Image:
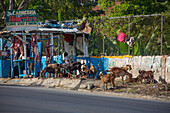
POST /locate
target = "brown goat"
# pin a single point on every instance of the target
(147, 75)
(87, 71)
(120, 72)
(127, 67)
(108, 78)
(136, 80)
(55, 66)
(48, 70)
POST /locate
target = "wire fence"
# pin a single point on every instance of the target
(144, 35)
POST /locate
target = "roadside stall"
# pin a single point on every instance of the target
(26, 35)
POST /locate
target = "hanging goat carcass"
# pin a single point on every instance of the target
(47, 50)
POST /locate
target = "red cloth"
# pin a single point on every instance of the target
(121, 37)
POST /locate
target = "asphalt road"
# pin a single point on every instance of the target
(16, 99)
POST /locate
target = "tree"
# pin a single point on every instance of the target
(147, 38)
(13, 4)
(49, 9)
(69, 9)
(138, 7)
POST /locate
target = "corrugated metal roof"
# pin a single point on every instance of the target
(57, 30)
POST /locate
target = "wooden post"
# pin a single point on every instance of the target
(129, 33)
(58, 50)
(74, 48)
(1, 68)
(1, 44)
(12, 63)
(52, 48)
(25, 53)
(103, 39)
(1, 57)
(61, 45)
(85, 51)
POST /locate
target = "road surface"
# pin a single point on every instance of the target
(18, 99)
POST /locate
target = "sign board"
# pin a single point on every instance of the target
(21, 20)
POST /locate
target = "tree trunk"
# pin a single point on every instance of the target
(12, 4)
(23, 4)
(4, 8)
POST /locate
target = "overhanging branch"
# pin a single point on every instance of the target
(23, 4)
(2, 4)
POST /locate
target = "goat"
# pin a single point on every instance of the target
(120, 72)
(53, 65)
(132, 80)
(49, 70)
(147, 75)
(86, 71)
(127, 67)
(71, 67)
(135, 80)
(107, 79)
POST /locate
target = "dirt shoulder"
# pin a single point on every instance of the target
(130, 90)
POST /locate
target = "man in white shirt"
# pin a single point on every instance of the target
(66, 58)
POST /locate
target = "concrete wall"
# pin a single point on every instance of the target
(137, 62)
(145, 63)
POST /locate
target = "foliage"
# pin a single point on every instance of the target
(105, 3)
(147, 30)
(69, 9)
(11, 5)
(138, 7)
(49, 9)
(147, 41)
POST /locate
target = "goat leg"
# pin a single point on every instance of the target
(112, 81)
(123, 80)
(103, 84)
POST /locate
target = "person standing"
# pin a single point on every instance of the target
(66, 58)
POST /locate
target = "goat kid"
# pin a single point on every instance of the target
(108, 78)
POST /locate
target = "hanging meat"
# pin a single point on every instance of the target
(47, 49)
(32, 44)
(36, 50)
(20, 47)
(14, 47)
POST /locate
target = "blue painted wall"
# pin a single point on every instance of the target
(101, 61)
(5, 69)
